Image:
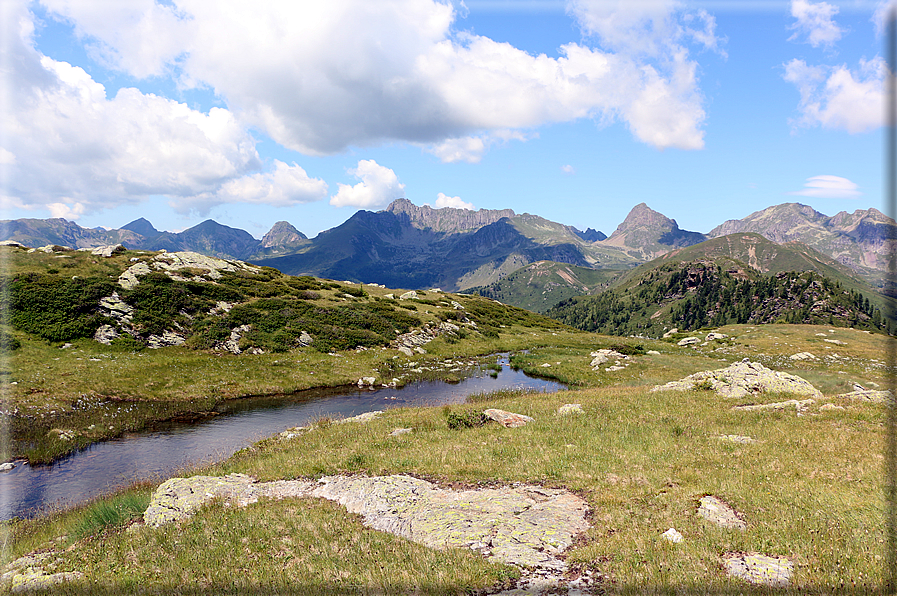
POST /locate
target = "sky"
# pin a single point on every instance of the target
(575, 110)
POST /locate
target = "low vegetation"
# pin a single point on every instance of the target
(809, 486)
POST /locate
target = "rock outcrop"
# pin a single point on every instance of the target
(743, 379)
(507, 419)
(525, 526)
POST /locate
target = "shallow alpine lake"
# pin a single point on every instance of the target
(168, 448)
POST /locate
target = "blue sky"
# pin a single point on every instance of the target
(251, 113)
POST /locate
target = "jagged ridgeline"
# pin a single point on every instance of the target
(711, 293)
(136, 299)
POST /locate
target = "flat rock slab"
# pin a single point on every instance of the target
(798, 404)
(34, 572)
(870, 395)
(743, 379)
(720, 513)
(759, 569)
(507, 419)
(522, 525)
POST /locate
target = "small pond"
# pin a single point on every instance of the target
(167, 448)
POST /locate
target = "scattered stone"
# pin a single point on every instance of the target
(759, 569)
(366, 417)
(6, 467)
(599, 357)
(406, 351)
(168, 338)
(296, 431)
(799, 405)
(390, 296)
(232, 344)
(570, 409)
(688, 341)
(32, 572)
(304, 339)
(715, 335)
(107, 251)
(220, 307)
(720, 513)
(653, 353)
(743, 379)
(736, 439)
(366, 381)
(546, 365)
(12, 243)
(614, 368)
(507, 419)
(412, 295)
(457, 305)
(821, 335)
(671, 332)
(399, 431)
(63, 435)
(673, 536)
(830, 407)
(870, 395)
(803, 356)
(837, 342)
(66, 346)
(105, 334)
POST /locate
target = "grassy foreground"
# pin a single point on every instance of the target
(810, 487)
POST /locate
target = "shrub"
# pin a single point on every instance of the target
(8, 343)
(107, 514)
(628, 350)
(468, 419)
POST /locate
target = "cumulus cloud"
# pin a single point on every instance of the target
(65, 137)
(837, 97)
(829, 187)
(568, 169)
(71, 211)
(379, 185)
(455, 202)
(320, 77)
(815, 23)
(471, 149)
(880, 16)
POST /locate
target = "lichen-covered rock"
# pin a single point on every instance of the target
(507, 419)
(525, 526)
(171, 262)
(798, 404)
(870, 395)
(177, 498)
(105, 334)
(714, 335)
(362, 418)
(34, 572)
(599, 357)
(399, 432)
(759, 569)
(720, 513)
(168, 338)
(802, 356)
(743, 379)
(107, 251)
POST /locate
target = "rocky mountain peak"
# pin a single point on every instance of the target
(143, 227)
(282, 234)
(649, 234)
(447, 220)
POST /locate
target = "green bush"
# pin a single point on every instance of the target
(627, 350)
(468, 419)
(8, 343)
(56, 308)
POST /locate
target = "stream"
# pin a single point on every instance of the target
(168, 448)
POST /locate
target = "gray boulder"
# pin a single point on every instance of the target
(743, 379)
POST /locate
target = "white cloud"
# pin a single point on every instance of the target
(815, 22)
(471, 149)
(71, 211)
(379, 185)
(64, 137)
(285, 186)
(568, 169)
(829, 187)
(838, 97)
(455, 202)
(320, 77)
(880, 16)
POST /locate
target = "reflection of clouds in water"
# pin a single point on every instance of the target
(160, 454)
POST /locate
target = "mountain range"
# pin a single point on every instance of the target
(410, 246)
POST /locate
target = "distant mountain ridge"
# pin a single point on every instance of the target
(410, 246)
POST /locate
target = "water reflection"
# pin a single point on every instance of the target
(161, 452)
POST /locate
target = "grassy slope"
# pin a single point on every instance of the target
(539, 286)
(810, 487)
